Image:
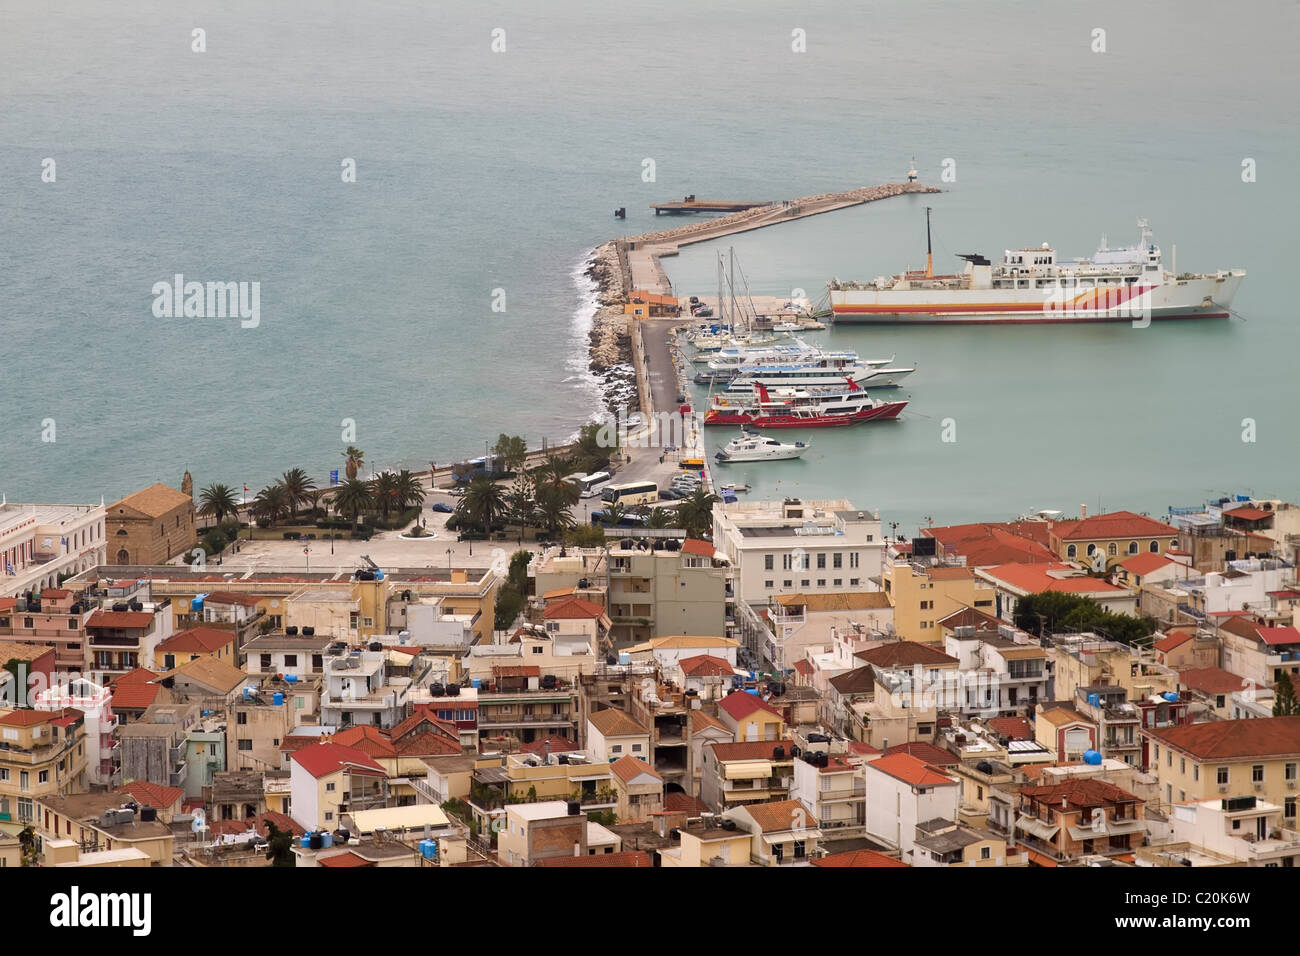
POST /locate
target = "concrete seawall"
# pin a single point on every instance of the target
(621, 265)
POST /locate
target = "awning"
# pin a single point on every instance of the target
(1037, 827)
(1112, 828)
(748, 770)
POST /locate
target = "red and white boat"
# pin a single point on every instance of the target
(801, 407)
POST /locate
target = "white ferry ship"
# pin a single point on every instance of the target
(1033, 285)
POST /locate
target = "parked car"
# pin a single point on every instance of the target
(669, 494)
(443, 507)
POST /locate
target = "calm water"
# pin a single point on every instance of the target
(480, 171)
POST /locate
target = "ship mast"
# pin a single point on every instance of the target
(929, 250)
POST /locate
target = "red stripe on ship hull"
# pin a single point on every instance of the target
(886, 412)
(865, 319)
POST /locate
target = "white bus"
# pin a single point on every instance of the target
(589, 486)
(632, 493)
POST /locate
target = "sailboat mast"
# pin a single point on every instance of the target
(929, 249)
(731, 284)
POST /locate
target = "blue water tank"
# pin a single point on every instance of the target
(291, 678)
(624, 659)
(326, 840)
(752, 690)
(196, 603)
(1170, 696)
(476, 683)
(1091, 757)
(278, 699)
(248, 693)
(306, 841)
(379, 575)
(1094, 700)
(429, 849)
(752, 675)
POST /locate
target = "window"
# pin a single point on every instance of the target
(1169, 758)
(837, 560)
(767, 562)
(1182, 765)
(853, 559)
(986, 852)
(853, 582)
(537, 648)
(636, 748)
(769, 583)
(821, 582)
(1112, 549)
(804, 582)
(1092, 549)
(291, 660)
(329, 815)
(1222, 775)
(43, 776)
(839, 582)
(1154, 547)
(1288, 808)
(787, 583)
(786, 562)
(329, 787)
(266, 661)
(1132, 547)
(241, 718)
(1290, 772)
(4, 775)
(616, 749)
(821, 560)
(1196, 771)
(1257, 773)
(245, 744)
(1071, 551)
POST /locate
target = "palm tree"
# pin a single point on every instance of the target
(484, 502)
(613, 514)
(384, 491)
(589, 449)
(353, 497)
(660, 518)
(696, 512)
(217, 501)
(299, 487)
(407, 491)
(316, 496)
(553, 471)
(553, 509)
(355, 459)
(271, 502)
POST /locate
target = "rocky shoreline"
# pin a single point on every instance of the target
(610, 339)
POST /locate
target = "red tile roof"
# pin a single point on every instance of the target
(803, 668)
(1034, 579)
(427, 745)
(125, 619)
(368, 740)
(1145, 563)
(677, 802)
(911, 771)
(613, 722)
(702, 665)
(740, 705)
(636, 858)
(858, 858)
(698, 547)
(1116, 524)
(1233, 739)
(1173, 641)
(134, 695)
(780, 815)
(231, 597)
(139, 675)
(1211, 680)
(1082, 794)
(572, 608)
(197, 640)
(153, 794)
(629, 768)
(25, 718)
(924, 751)
(753, 750)
(1248, 513)
(344, 860)
(323, 759)
(904, 654)
(1013, 728)
(57, 594)
(259, 823)
(1273, 636)
(990, 543)
(559, 745)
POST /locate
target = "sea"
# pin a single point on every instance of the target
(438, 300)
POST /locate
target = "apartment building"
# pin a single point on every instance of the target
(56, 617)
(45, 543)
(741, 773)
(833, 789)
(1061, 822)
(923, 594)
(42, 753)
(664, 586)
(903, 792)
(1110, 537)
(123, 637)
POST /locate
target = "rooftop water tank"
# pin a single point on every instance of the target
(1092, 757)
(277, 699)
(291, 678)
(428, 849)
(1094, 700)
(306, 841)
(624, 659)
(752, 690)
(1170, 696)
(326, 840)
(476, 683)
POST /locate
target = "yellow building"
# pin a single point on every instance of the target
(703, 843)
(1113, 537)
(190, 645)
(1259, 758)
(150, 526)
(44, 753)
(84, 820)
(639, 789)
(924, 596)
(750, 718)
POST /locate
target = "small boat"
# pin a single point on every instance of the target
(752, 447)
(801, 407)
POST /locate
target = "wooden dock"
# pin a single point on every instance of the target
(691, 204)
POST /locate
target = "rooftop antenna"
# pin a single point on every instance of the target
(929, 249)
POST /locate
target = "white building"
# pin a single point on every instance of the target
(359, 692)
(1243, 829)
(793, 546)
(902, 792)
(432, 625)
(103, 763)
(836, 794)
(40, 543)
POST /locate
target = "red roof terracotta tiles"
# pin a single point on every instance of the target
(911, 771)
(1233, 739)
(1211, 680)
(323, 759)
(740, 705)
(858, 858)
(702, 665)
